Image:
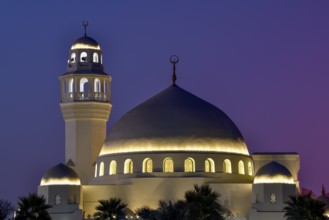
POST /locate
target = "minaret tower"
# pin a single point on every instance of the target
(85, 105)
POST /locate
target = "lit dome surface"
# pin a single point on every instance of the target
(175, 120)
(60, 175)
(85, 43)
(273, 172)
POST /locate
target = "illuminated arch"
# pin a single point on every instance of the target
(71, 82)
(168, 165)
(241, 167)
(113, 167)
(73, 56)
(83, 57)
(101, 169)
(189, 165)
(227, 167)
(147, 165)
(209, 165)
(96, 170)
(249, 169)
(97, 85)
(95, 57)
(129, 167)
(84, 85)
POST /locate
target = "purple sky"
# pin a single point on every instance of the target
(264, 64)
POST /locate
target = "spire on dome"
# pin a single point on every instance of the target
(174, 59)
(85, 25)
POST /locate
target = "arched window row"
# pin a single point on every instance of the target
(168, 166)
(85, 88)
(84, 85)
(83, 57)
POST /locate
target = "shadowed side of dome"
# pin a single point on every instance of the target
(273, 172)
(175, 120)
(60, 175)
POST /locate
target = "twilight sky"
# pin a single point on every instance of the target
(264, 63)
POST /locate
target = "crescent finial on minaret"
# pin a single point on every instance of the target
(174, 59)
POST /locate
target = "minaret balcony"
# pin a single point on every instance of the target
(86, 97)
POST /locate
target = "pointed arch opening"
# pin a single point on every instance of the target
(241, 167)
(129, 167)
(101, 169)
(113, 167)
(147, 165)
(227, 166)
(189, 165)
(209, 165)
(168, 165)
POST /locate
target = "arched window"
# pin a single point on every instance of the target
(147, 165)
(189, 165)
(273, 198)
(84, 85)
(101, 169)
(71, 82)
(96, 170)
(101, 59)
(73, 56)
(209, 165)
(113, 167)
(83, 57)
(241, 167)
(168, 165)
(227, 167)
(95, 58)
(97, 85)
(128, 166)
(249, 169)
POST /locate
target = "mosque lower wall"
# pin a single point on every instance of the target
(139, 193)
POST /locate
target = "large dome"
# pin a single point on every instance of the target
(175, 120)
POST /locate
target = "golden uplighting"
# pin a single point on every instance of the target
(175, 144)
(60, 181)
(274, 179)
(85, 46)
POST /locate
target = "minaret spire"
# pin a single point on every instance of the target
(85, 24)
(174, 59)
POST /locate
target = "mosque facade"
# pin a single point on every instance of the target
(156, 151)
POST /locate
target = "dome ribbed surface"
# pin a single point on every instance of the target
(175, 120)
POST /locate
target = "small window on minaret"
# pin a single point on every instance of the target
(83, 57)
(73, 56)
(95, 58)
(273, 198)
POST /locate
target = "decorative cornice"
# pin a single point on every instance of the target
(85, 110)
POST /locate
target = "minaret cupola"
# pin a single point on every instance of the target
(85, 55)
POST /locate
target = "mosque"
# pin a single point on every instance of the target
(157, 150)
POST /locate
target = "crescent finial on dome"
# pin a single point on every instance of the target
(174, 59)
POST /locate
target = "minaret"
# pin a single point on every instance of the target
(85, 105)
